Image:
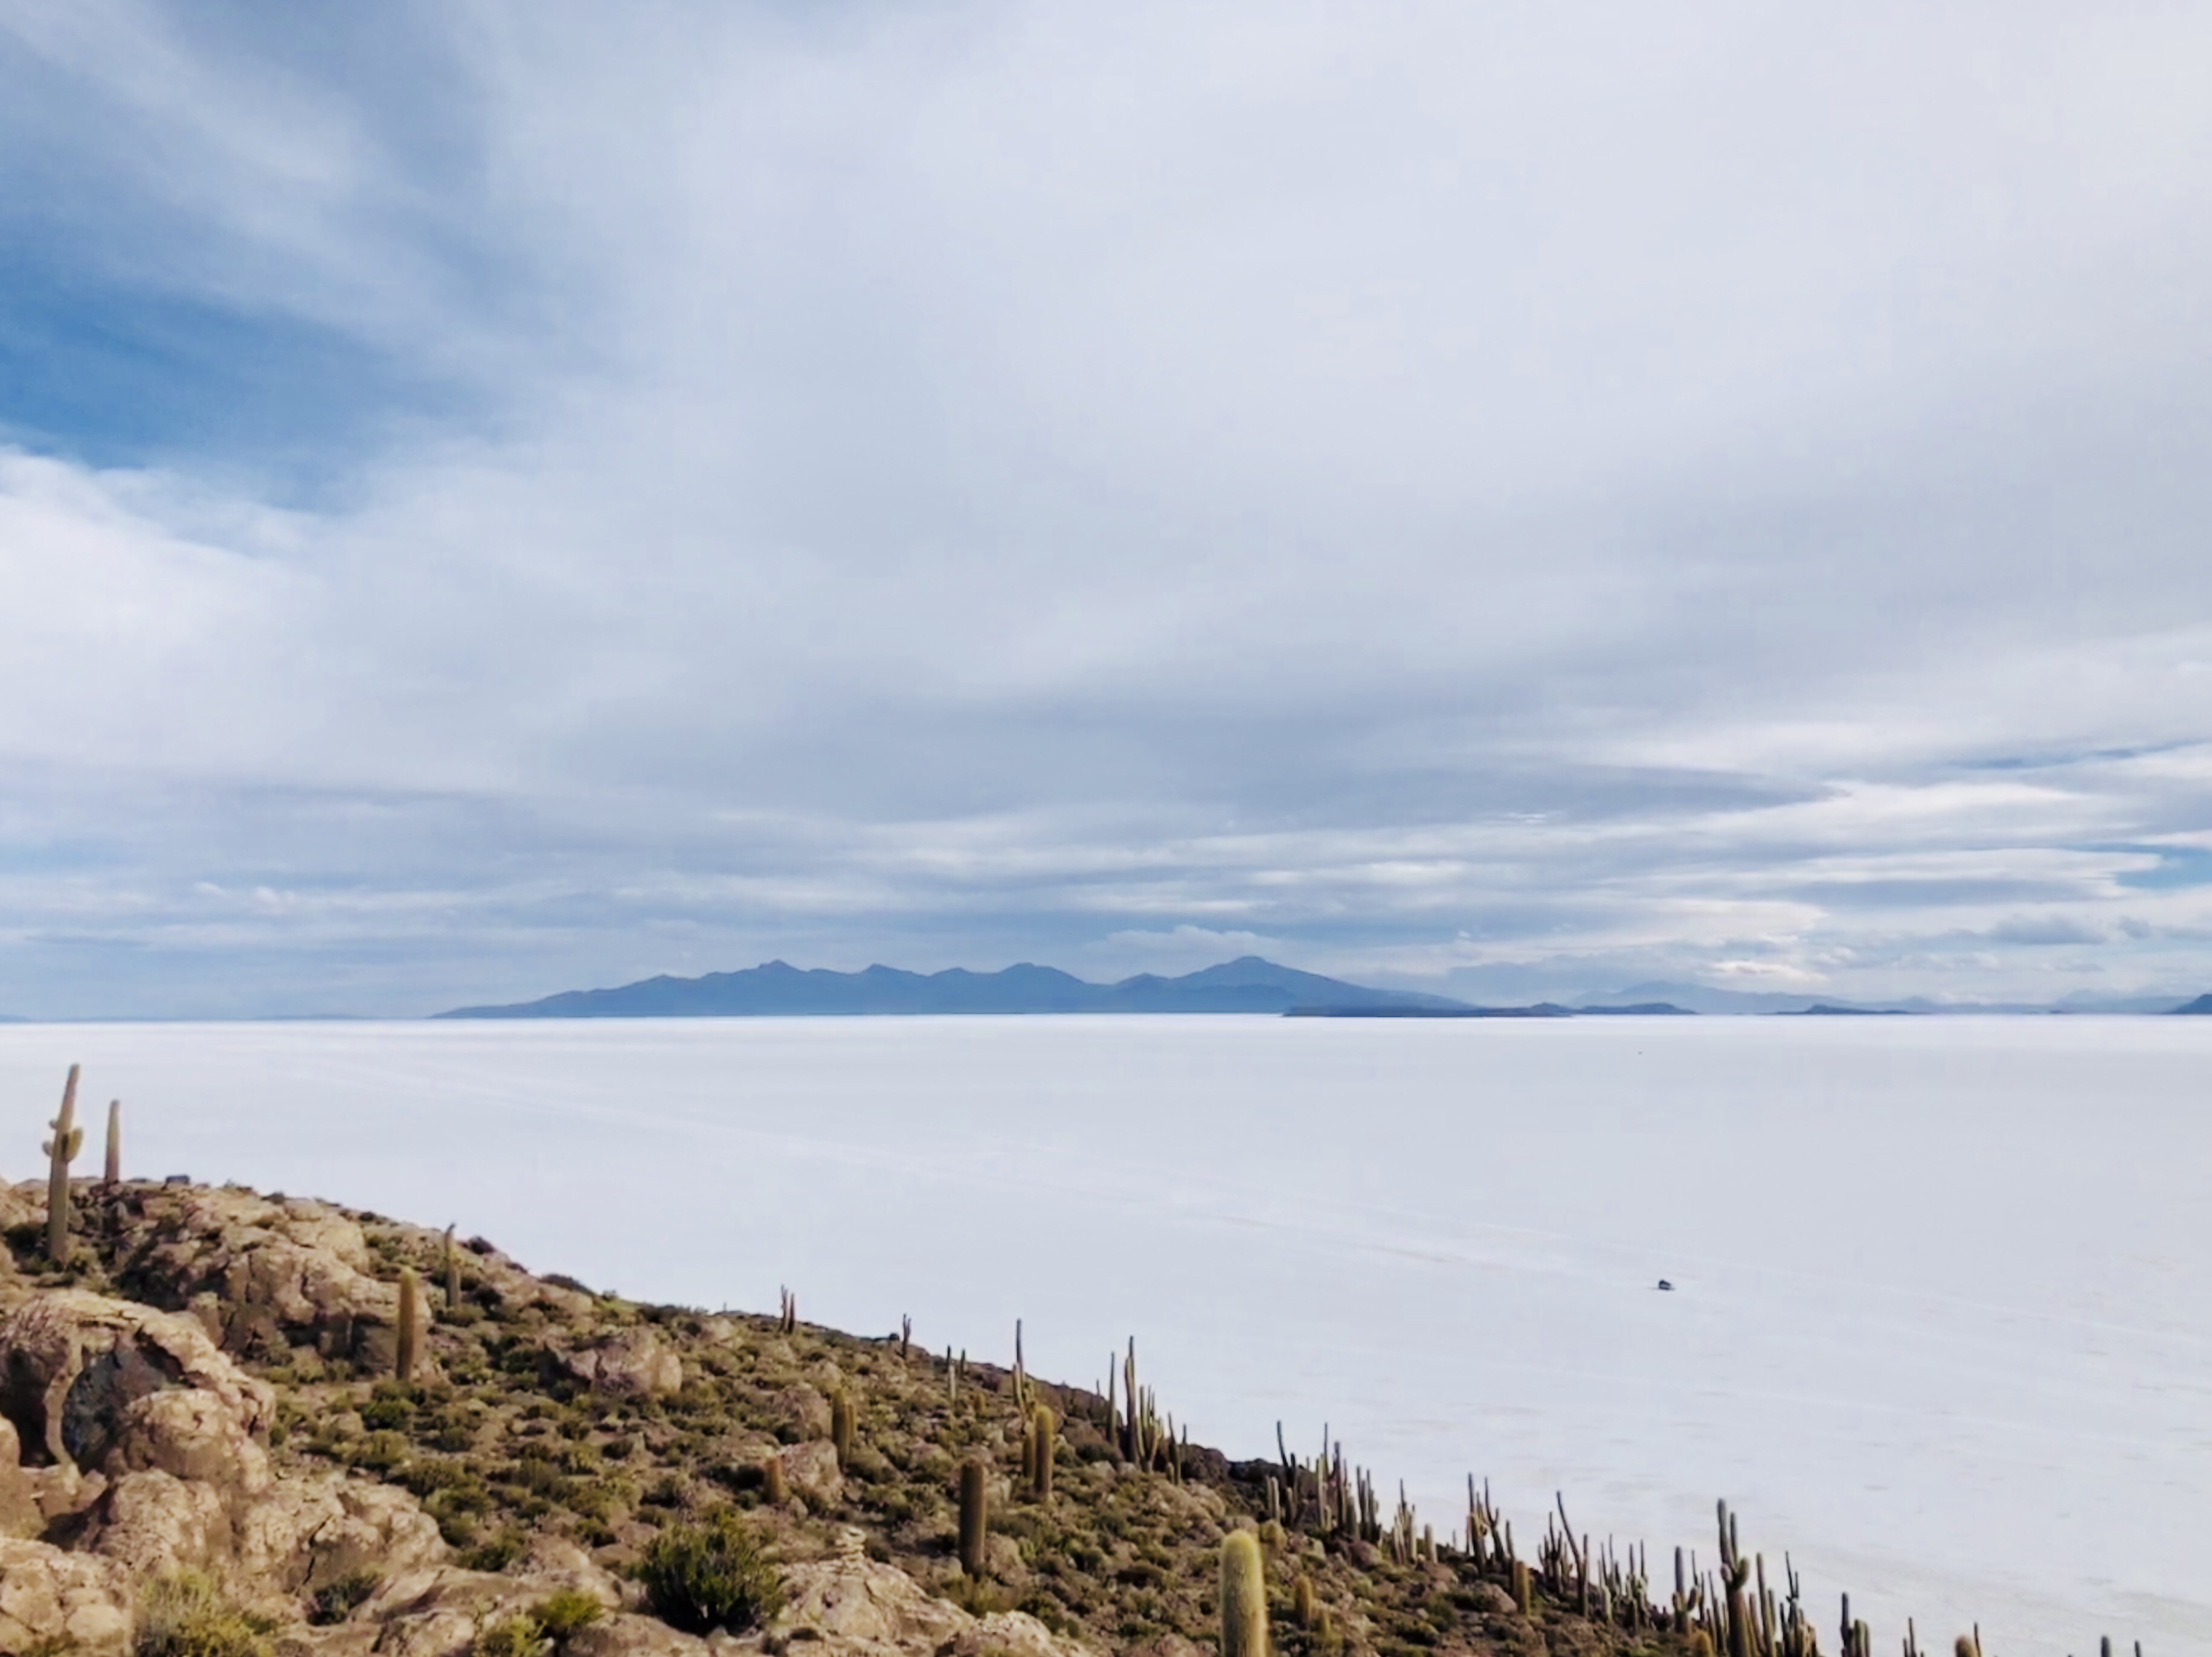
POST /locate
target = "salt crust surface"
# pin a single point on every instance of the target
(1943, 1322)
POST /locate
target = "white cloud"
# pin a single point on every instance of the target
(1424, 490)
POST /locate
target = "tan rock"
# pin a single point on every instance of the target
(633, 1362)
(193, 1434)
(556, 1565)
(630, 1635)
(19, 1512)
(153, 1522)
(48, 1598)
(259, 1273)
(304, 1533)
(812, 1472)
(856, 1607)
(77, 1364)
(1493, 1599)
(851, 1607)
(439, 1612)
(803, 1410)
(1014, 1631)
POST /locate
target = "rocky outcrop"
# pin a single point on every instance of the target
(851, 1607)
(150, 1442)
(265, 1272)
(97, 1390)
(812, 1472)
(633, 1362)
(50, 1600)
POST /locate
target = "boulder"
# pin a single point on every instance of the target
(190, 1433)
(629, 1635)
(55, 1600)
(303, 1268)
(151, 1522)
(802, 1410)
(1493, 1599)
(439, 1612)
(812, 1472)
(1013, 1631)
(19, 1512)
(305, 1532)
(633, 1362)
(851, 1607)
(83, 1381)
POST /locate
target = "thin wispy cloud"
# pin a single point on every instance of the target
(496, 499)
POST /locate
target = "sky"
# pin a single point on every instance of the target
(1501, 498)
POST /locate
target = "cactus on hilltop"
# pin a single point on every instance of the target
(61, 1151)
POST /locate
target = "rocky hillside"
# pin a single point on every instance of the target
(206, 1451)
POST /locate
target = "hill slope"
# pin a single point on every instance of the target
(201, 1408)
(1248, 985)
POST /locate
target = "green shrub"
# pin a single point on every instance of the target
(563, 1613)
(510, 1636)
(187, 1614)
(335, 1601)
(709, 1575)
(494, 1553)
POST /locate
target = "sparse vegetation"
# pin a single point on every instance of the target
(709, 1575)
(187, 1614)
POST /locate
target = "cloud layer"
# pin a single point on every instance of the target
(502, 499)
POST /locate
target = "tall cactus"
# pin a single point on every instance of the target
(1243, 1597)
(408, 1344)
(112, 1176)
(840, 1428)
(975, 1516)
(61, 1151)
(451, 1263)
(1045, 1430)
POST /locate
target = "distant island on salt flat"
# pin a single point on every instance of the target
(1248, 985)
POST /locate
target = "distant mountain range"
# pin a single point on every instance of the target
(1249, 985)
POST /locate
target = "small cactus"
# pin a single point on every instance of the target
(112, 1176)
(840, 1428)
(773, 1487)
(1701, 1643)
(61, 1151)
(1302, 1600)
(408, 1346)
(451, 1264)
(1243, 1597)
(975, 1516)
(1524, 1589)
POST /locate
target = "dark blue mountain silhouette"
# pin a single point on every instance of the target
(1248, 985)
